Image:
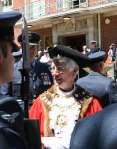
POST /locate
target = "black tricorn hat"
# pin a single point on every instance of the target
(79, 58)
(34, 38)
(7, 22)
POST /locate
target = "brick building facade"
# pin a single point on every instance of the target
(87, 20)
(109, 31)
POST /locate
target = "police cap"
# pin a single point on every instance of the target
(93, 41)
(97, 56)
(7, 22)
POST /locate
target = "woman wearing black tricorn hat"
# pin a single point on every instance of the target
(61, 106)
(11, 136)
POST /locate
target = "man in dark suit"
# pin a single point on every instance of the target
(96, 132)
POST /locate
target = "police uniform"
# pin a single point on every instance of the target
(40, 75)
(100, 130)
(11, 135)
(98, 85)
(17, 78)
(96, 132)
(7, 22)
(58, 110)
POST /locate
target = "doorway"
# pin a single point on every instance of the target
(75, 42)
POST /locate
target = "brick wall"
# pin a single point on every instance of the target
(18, 4)
(109, 32)
(50, 7)
(97, 2)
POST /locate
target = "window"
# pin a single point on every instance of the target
(76, 3)
(60, 4)
(82, 1)
(6, 2)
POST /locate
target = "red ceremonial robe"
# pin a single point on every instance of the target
(37, 111)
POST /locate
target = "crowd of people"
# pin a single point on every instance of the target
(73, 112)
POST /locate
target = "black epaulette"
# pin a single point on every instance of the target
(81, 94)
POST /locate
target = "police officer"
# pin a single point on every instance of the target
(40, 75)
(97, 84)
(11, 136)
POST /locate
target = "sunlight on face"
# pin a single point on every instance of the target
(63, 76)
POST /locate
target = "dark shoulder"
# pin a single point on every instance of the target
(80, 93)
(41, 64)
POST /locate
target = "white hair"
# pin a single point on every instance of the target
(70, 64)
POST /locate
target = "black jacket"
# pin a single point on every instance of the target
(12, 134)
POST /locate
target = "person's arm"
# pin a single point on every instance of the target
(93, 107)
(37, 112)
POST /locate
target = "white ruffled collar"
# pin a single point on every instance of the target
(62, 93)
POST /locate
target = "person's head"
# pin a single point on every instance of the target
(34, 39)
(93, 44)
(64, 71)
(113, 46)
(98, 67)
(65, 65)
(99, 57)
(7, 21)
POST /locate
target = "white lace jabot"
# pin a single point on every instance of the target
(62, 93)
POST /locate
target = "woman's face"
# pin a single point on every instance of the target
(6, 65)
(63, 76)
